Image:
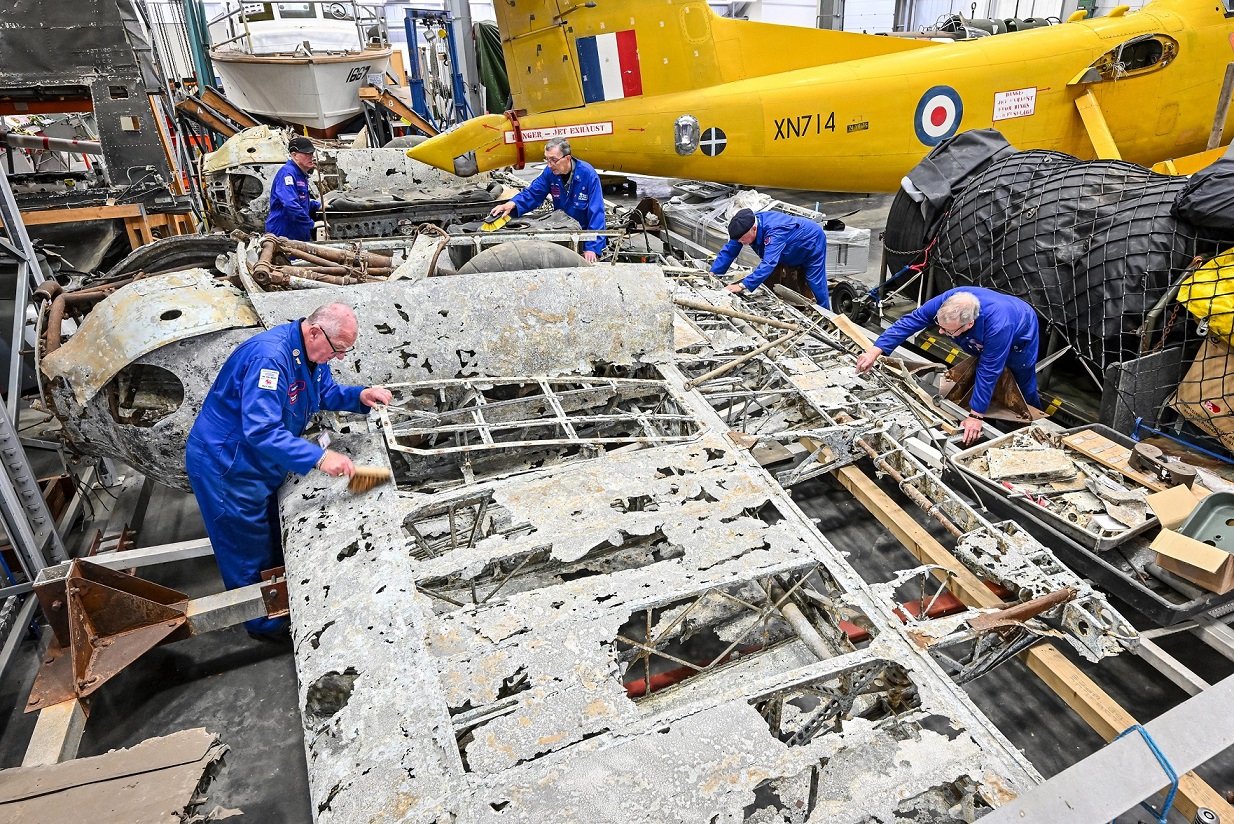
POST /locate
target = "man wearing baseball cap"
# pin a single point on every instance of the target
(291, 206)
(779, 240)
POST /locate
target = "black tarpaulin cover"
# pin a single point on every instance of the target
(948, 167)
(1092, 245)
(1208, 198)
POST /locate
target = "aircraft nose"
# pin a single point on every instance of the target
(455, 151)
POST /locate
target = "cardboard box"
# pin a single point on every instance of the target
(1174, 505)
(1205, 396)
(1205, 566)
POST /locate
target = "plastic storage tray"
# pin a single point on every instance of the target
(1212, 521)
(1113, 572)
(1081, 536)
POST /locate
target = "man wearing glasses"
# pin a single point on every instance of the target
(1000, 330)
(574, 187)
(247, 438)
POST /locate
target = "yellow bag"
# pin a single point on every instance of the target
(1208, 295)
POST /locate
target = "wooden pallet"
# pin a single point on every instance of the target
(1112, 455)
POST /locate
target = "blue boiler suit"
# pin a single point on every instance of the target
(1004, 334)
(247, 438)
(291, 207)
(783, 239)
(583, 200)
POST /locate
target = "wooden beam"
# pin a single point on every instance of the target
(853, 332)
(965, 585)
(1090, 702)
(85, 213)
(57, 734)
(211, 97)
(178, 184)
(387, 100)
(396, 68)
(198, 112)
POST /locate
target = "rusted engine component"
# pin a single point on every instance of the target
(326, 264)
(103, 620)
(60, 304)
(1014, 614)
(144, 315)
(367, 192)
(174, 254)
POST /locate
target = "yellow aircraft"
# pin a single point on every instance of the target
(667, 87)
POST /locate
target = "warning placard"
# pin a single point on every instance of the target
(1017, 103)
(577, 130)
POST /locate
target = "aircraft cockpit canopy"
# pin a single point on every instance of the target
(1139, 55)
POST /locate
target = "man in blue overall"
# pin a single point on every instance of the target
(247, 438)
(1000, 330)
(575, 189)
(779, 240)
(291, 207)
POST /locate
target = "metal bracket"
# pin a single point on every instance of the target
(103, 620)
(274, 592)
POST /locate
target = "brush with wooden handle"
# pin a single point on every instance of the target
(366, 478)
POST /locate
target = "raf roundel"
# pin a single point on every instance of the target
(938, 115)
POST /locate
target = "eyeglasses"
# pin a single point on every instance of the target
(951, 333)
(334, 348)
(553, 161)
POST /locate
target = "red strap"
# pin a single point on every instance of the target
(518, 139)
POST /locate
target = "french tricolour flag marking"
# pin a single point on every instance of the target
(609, 65)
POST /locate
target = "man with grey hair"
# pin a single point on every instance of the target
(247, 438)
(1000, 330)
(574, 187)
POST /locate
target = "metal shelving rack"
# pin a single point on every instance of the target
(27, 521)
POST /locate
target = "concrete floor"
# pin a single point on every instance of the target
(246, 691)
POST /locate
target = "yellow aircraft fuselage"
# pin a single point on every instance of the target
(863, 118)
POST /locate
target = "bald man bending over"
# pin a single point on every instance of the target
(247, 438)
(999, 330)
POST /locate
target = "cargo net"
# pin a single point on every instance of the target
(1097, 249)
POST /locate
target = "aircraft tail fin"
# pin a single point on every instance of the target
(562, 54)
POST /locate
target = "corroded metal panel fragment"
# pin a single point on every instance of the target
(548, 322)
(142, 317)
